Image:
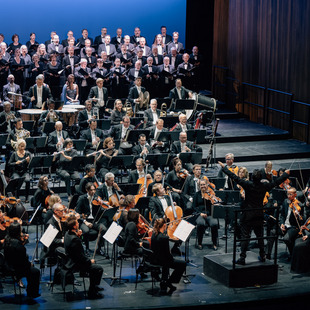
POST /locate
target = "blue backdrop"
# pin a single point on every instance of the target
(23, 17)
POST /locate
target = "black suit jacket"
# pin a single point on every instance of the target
(161, 250)
(176, 147)
(95, 93)
(116, 131)
(137, 149)
(83, 118)
(149, 115)
(86, 134)
(133, 93)
(160, 60)
(46, 94)
(102, 192)
(156, 207)
(66, 62)
(178, 61)
(52, 139)
(173, 94)
(190, 186)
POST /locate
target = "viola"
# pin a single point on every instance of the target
(183, 174)
(9, 200)
(285, 185)
(9, 220)
(145, 229)
(234, 169)
(145, 182)
(294, 205)
(304, 227)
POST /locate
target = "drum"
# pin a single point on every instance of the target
(30, 114)
(68, 115)
(77, 107)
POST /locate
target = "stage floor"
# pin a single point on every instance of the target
(201, 292)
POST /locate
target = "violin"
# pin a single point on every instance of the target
(9, 200)
(234, 169)
(265, 201)
(145, 182)
(99, 202)
(285, 185)
(304, 227)
(294, 205)
(183, 174)
(145, 229)
(9, 220)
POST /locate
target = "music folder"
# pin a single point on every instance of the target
(98, 75)
(83, 72)
(184, 71)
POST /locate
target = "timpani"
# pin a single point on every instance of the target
(68, 115)
(30, 114)
(77, 107)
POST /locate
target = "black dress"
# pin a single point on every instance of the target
(300, 262)
(132, 241)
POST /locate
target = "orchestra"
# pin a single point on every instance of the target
(129, 74)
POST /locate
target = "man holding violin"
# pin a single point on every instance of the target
(291, 219)
(89, 218)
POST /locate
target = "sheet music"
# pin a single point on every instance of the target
(113, 232)
(49, 235)
(183, 230)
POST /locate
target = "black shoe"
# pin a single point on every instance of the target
(262, 259)
(94, 295)
(100, 252)
(241, 261)
(199, 247)
(214, 247)
(99, 288)
(171, 289)
(175, 251)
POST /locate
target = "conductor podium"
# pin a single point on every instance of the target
(220, 267)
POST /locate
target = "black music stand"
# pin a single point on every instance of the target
(3, 139)
(48, 127)
(137, 120)
(28, 125)
(79, 144)
(110, 104)
(198, 135)
(158, 160)
(167, 101)
(142, 205)
(35, 143)
(130, 188)
(133, 135)
(218, 182)
(164, 136)
(14, 185)
(184, 104)
(174, 135)
(279, 195)
(191, 157)
(170, 121)
(121, 161)
(79, 162)
(104, 124)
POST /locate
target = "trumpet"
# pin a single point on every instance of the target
(10, 117)
(163, 110)
(52, 116)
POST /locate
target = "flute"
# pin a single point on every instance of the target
(68, 149)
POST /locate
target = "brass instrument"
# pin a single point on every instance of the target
(128, 109)
(53, 117)
(19, 134)
(163, 110)
(144, 99)
(10, 117)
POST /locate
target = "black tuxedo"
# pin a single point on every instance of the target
(46, 94)
(3, 123)
(81, 42)
(160, 60)
(7, 89)
(99, 40)
(86, 134)
(179, 49)
(178, 61)
(176, 147)
(190, 186)
(102, 192)
(134, 94)
(65, 43)
(167, 39)
(116, 131)
(173, 94)
(131, 74)
(116, 43)
(135, 59)
(133, 177)
(179, 128)
(52, 139)
(149, 115)
(137, 149)
(156, 207)
(43, 116)
(94, 92)
(83, 118)
(66, 63)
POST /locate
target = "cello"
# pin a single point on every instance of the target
(174, 214)
(145, 182)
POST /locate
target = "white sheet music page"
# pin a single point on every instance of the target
(49, 235)
(183, 230)
(113, 232)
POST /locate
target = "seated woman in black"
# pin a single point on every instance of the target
(89, 177)
(118, 113)
(162, 256)
(42, 194)
(18, 164)
(133, 243)
(105, 155)
(202, 204)
(17, 259)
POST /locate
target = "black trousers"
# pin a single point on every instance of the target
(202, 224)
(179, 267)
(290, 237)
(95, 274)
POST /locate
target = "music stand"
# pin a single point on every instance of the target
(121, 161)
(218, 182)
(279, 195)
(170, 121)
(104, 124)
(48, 127)
(174, 135)
(158, 160)
(130, 188)
(184, 104)
(143, 204)
(79, 162)
(79, 144)
(191, 157)
(14, 185)
(198, 135)
(164, 136)
(133, 135)
(110, 104)
(28, 125)
(160, 101)
(3, 139)
(136, 120)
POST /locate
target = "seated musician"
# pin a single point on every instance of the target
(18, 132)
(47, 212)
(85, 116)
(89, 177)
(11, 87)
(3, 229)
(229, 158)
(6, 117)
(118, 113)
(152, 114)
(292, 217)
(136, 92)
(180, 92)
(202, 204)
(78, 260)
(126, 204)
(42, 194)
(16, 257)
(119, 132)
(99, 94)
(158, 146)
(18, 165)
(158, 179)
(57, 138)
(108, 188)
(142, 148)
(63, 160)
(183, 125)
(55, 221)
(104, 157)
(268, 174)
(176, 179)
(39, 93)
(93, 136)
(162, 256)
(90, 220)
(184, 146)
(50, 115)
(135, 175)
